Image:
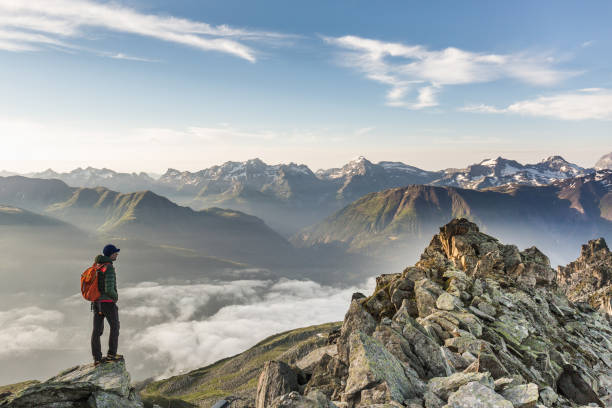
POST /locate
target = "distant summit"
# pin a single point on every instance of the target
(497, 172)
(93, 177)
(605, 162)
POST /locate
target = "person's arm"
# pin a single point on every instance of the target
(110, 283)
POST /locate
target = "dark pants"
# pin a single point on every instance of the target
(109, 311)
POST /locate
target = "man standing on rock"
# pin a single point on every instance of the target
(106, 307)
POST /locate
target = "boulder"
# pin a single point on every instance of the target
(276, 379)
(372, 366)
(426, 294)
(477, 395)
(446, 301)
(356, 318)
(314, 399)
(522, 396)
(444, 386)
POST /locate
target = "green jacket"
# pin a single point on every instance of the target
(107, 281)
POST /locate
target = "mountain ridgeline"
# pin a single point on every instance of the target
(291, 196)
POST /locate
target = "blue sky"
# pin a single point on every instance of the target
(147, 85)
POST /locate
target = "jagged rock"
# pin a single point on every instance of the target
(444, 386)
(312, 359)
(422, 345)
(471, 311)
(535, 268)
(446, 301)
(107, 385)
(522, 396)
(329, 377)
(372, 366)
(477, 395)
(426, 294)
(314, 399)
(589, 278)
(276, 379)
(548, 396)
(356, 318)
(571, 385)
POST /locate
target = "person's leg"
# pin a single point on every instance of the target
(111, 313)
(98, 329)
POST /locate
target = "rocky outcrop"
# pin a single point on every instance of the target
(276, 379)
(86, 386)
(474, 323)
(589, 278)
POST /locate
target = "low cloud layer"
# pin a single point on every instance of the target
(27, 329)
(179, 344)
(169, 328)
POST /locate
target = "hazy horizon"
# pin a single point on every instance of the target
(454, 162)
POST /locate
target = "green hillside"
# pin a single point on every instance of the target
(398, 221)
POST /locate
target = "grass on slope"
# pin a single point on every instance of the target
(236, 376)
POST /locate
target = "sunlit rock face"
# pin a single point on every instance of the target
(474, 323)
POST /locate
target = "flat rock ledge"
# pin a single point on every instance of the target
(86, 386)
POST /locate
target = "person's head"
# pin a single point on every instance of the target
(111, 251)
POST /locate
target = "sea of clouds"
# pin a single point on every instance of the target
(167, 328)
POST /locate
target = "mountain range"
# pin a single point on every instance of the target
(220, 238)
(397, 220)
(147, 216)
(291, 196)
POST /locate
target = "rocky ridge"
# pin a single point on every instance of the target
(474, 323)
(87, 386)
(589, 278)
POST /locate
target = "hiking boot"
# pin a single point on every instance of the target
(114, 357)
(98, 362)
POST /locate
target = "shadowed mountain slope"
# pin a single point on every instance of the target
(558, 217)
(148, 216)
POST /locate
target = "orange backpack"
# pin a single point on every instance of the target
(89, 281)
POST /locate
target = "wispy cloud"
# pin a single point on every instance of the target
(363, 131)
(123, 56)
(416, 74)
(28, 25)
(583, 104)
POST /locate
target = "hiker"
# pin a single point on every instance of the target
(106, 307)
